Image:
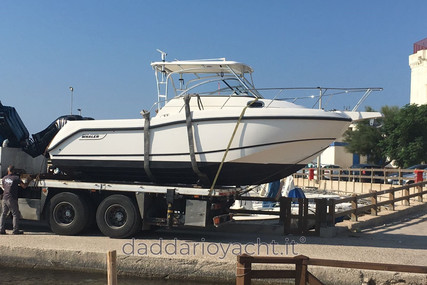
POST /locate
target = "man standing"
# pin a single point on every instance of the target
(11, 183)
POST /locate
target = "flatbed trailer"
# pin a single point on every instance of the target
(120, 210)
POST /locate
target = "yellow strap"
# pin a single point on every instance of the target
(229, 145)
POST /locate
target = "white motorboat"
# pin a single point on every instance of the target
(217, 129)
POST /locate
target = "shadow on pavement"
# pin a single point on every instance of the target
(386, 236)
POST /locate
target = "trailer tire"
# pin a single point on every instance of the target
(117, 217)
(68, 213)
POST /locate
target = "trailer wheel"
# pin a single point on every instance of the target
(68, 214)
(118, 217)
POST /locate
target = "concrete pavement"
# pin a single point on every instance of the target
(211, 255)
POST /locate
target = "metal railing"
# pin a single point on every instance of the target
(397, 176)
(420, 45)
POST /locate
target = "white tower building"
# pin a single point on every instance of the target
(418, 64)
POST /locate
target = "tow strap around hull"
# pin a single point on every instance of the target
(202, 176)
(147, 169)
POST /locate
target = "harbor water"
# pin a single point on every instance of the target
(29, 276)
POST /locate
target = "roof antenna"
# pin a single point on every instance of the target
(163, 54)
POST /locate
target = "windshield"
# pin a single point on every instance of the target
(218, 87)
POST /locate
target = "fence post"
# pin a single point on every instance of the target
(331, 220)
(406, 194)
(243, 271)
(321, 214)
(112, 267)
(301, 269)
(420, 197)
(300, 228)
(305, 217)
(374, 200)
(285, 214)
(354, 208)
(391, 198)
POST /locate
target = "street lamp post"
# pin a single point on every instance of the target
(80, 111)
(71, 107)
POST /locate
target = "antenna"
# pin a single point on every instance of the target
(163, 54)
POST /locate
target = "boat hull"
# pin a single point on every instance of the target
(264, 148)
(169, 173)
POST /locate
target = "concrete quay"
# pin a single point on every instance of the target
(210, 256)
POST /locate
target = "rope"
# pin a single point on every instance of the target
(229, 144)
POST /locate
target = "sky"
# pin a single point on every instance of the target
(103, 49)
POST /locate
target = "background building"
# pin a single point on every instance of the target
(418, 64)
(336, 153)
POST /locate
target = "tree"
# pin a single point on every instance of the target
(364, 139)
(405, 135)
(400, 135)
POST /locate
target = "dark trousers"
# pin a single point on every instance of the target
(12, 206)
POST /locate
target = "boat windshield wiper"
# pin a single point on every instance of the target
(236, 89)
(241, 80)
(228, 85)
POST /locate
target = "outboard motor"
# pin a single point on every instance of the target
(12, 128)
(39, 142)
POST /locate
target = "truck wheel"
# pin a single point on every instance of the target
(118, 217)
(68, 214)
